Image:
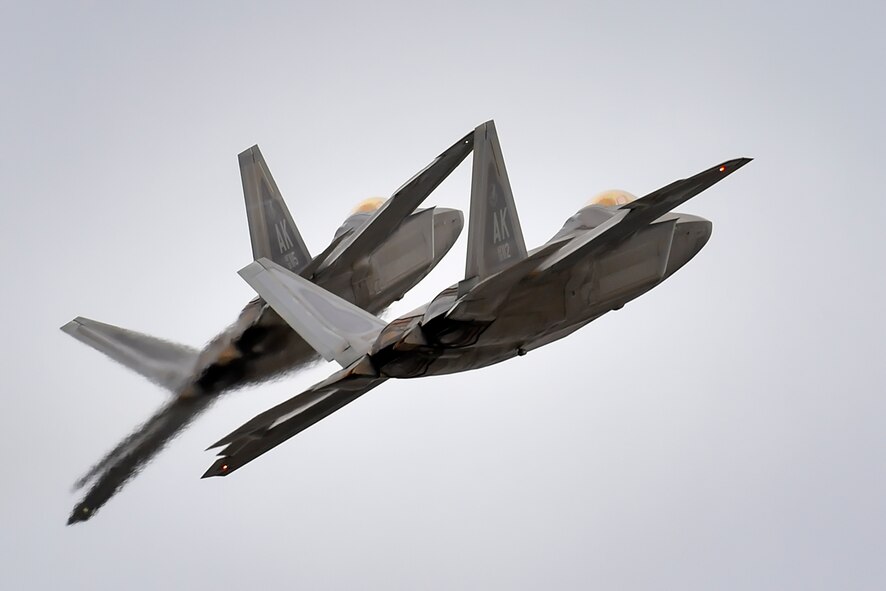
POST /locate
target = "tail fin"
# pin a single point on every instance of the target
(334, 327)
(274, 235)
(495, 239)
(164, 363)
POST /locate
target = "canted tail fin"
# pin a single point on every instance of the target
(273, 233)
(164, 363)
(335, 328)
(495, 239)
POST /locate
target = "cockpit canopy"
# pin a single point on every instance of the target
(360, 214)
(600, 208)
(612, 198)
(368, 205)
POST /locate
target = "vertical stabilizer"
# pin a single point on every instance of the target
(495, 239)
(273, 233)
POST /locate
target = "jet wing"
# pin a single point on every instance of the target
(404, 201)
(642, 212)
(654, 205)
(132, 454)
(271, 428)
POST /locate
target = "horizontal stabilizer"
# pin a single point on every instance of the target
(334, 327)
(164, 363)
(404, 201)
(274, 426)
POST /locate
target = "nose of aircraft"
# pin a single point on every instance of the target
(690, 235)
(448, 224)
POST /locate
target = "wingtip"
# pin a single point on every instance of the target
(221, 467)
(731, 166)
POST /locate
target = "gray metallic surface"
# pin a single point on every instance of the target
(506, 306)
(495, 238)
(166, 364)
(273, 233)
(259, 344)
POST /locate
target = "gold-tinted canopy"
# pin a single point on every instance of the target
(612, 198)
(368, 205)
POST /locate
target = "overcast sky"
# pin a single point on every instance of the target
(724, 431)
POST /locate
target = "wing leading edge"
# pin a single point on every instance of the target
(274, 426)
(403, 202)
(642, 212)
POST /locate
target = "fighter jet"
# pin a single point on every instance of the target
(381, 251)
(511, 300)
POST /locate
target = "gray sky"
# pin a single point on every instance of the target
(724, 431)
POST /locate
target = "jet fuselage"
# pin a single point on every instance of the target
(260, 345)
(380, 252)
(510, 301)
(545, 306)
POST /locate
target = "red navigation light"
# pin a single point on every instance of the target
(722, 169)
(224, 467)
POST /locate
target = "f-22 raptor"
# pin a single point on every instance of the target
(380, 252)
(511, 301)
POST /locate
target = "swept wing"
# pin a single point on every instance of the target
(403, 202)
(274, 426)
(644, 211)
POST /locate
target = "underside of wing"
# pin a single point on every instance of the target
(271, 428)
(659, 202)
(122, 463)
(403, 202)
(639, 214)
